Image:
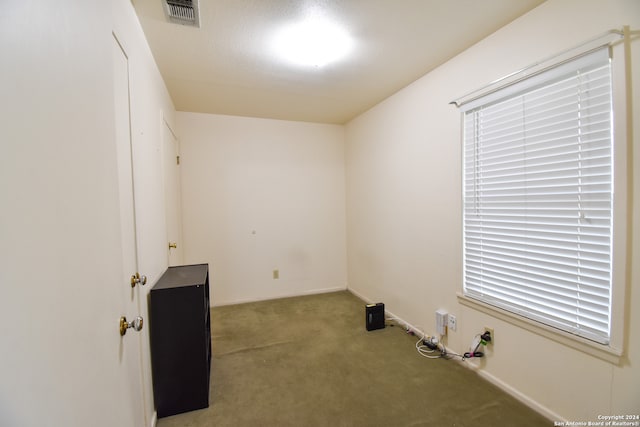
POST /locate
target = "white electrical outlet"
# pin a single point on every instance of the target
(490, 330)
(453, 322)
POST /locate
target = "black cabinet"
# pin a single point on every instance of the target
(180, 333)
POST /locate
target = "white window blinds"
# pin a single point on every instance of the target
(537, 192)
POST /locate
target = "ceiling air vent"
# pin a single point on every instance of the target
(183, 12)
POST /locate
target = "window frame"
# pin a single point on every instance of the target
(621, 217)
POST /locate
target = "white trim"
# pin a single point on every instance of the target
(607, 353)
(521, 397)
(359, 295)
(549, 136)
(164, 119)
(622, 198)
(154, 419)
(622, 218)
(408, 326)
(285, 295)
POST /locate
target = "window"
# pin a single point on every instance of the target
(537, 196)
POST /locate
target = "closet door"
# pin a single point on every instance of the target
(128, 357)
(173, 201)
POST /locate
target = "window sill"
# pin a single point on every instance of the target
(604, 352)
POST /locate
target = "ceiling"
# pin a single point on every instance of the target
(227, 66)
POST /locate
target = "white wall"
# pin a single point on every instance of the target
(260, 195)
(59, 218)
(60, 257)
(404, 215)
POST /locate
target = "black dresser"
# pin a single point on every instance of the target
(180, 333)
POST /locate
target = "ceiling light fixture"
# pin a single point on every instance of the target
(312, 42)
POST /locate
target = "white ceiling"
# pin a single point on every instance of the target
(227, 67)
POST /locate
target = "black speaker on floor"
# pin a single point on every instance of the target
(374, 316)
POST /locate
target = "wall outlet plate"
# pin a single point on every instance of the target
(453, 321)
(493, 336)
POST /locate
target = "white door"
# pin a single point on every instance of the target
(171, 172)
(129, 349)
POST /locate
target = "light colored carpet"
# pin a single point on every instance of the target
(309, 361)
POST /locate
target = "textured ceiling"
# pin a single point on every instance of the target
(227, 65)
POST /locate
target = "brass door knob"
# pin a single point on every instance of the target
(136, 324)
(173, 245)
(137, 278)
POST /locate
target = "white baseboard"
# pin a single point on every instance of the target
(359, 295)
(408, 326)
(284, 295)
(536, 406)
(521, 397)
